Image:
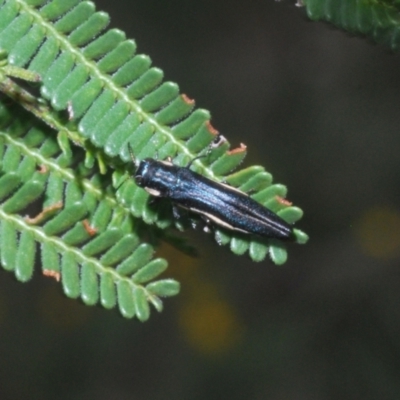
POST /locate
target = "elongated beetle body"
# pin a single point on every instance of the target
(220, 203)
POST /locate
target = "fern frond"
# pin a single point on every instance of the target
(378, 19)
(86, 239)
(115, 97)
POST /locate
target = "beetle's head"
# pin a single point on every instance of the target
(143, 172)
(159, 178)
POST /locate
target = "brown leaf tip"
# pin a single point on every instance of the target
(283, 201)
(52, 274)
(48, 210)
(211, 129)
(43, 169)
(241, 149)
(187, 99)
(88, 228)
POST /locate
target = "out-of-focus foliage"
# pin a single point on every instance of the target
(377, 19)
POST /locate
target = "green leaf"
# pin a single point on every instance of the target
(29, 192)
(114, 97)
(89, 284)
(70, 275)
(85, 236)
(142, 309)
(378, 20)
(278, 254)
(108, 294)
(125, 299)
(136, 260)
(50, 258)
(25, 257)
(239, 245)
(258, 251)
(150, 271)
(164, 288)
(66, 219)
(8, 241)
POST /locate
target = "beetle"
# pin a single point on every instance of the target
(224, 205)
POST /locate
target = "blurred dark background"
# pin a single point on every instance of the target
(319, 109)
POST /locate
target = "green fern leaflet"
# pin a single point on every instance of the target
(98, 94)
(85, 237)
(378, 19)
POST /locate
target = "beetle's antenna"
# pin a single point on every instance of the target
(208, 151)
(196, 158)
(219, 139)
(132, 156)
(133, 161)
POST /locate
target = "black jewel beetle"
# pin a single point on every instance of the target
(218, 202)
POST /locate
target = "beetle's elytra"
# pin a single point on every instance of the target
(217, 202)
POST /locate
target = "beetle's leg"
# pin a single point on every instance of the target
(196, 223)
(176, 212)
(207, 229)
(207, 224)
(153, 201)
